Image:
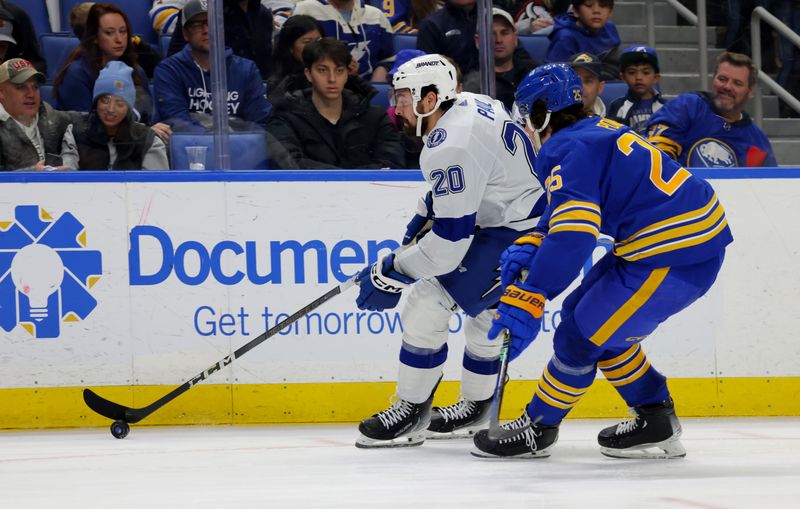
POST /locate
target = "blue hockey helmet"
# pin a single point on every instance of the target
(556, 84)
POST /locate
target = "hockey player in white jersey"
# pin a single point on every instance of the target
(479, 164)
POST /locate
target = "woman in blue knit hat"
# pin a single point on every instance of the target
(109, 138)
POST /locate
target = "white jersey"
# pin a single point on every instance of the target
(479, 164)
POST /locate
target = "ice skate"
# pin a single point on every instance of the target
(653, 433)
(401, 425)
(532, 441)
(461, 420)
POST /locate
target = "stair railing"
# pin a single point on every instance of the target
(699, 20)
(761, 14)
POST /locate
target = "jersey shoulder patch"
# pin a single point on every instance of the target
(436, 137)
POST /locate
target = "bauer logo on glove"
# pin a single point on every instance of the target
(531, 302)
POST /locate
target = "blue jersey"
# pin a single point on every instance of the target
(690, 130)
(601, 177)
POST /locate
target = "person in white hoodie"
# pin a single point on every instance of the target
(364, 29)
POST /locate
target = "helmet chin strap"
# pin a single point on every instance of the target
(420, 116)
(537, 140)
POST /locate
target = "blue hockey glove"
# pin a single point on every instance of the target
(520, 311)
(421, 223)
(518, 257)
(380, 285)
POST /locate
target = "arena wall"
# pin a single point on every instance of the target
(159, 275)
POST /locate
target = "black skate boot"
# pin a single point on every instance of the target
(653, 432)
(401, 425)
(531, 441)
(461, 420)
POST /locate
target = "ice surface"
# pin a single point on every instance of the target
(731, 463)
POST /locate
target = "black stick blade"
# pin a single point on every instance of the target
(105, 407)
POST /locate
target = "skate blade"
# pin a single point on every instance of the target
(544, 453)
(414, 440)
(668, 449)
(458, 434)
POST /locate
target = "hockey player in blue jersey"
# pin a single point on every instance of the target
(483, 196)
(669, 232)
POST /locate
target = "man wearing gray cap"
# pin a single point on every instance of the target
(33, 136)
(21, 30)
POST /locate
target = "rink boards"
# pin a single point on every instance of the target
(133, 283)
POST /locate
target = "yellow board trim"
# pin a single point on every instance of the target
(209, 404)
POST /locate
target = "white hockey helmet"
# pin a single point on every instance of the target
(427, 70)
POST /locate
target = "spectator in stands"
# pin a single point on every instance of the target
(406, 15)
(107, 37)
(181, 82)
(248, 32)
(297, 31)
(639, 69)
(146, 55)
(7, 40)
(510, 66)
(699, 129)
(451, 31)
(26, 43)
(109, 138)
(362, 27)
(332, 124)
(535, 17)
(33, 136)
(588, 29)
(589, 69)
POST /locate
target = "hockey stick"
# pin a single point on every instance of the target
(495, 431)
(119, 412)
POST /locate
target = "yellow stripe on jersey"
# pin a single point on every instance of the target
(666, 145)
(567, 389)
(681, 244)
(627, 310)
(633, 377)
(162, 17)
(692, 215)
(619, 359)
(576, 215)
(575, 204)
(575, 227)
(673, 233)
(626, 369)
(550, 401)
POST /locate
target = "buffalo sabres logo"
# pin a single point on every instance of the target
(436, 137)
(712, 153)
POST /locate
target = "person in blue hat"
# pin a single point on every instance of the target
(639, 69)
(108, 138)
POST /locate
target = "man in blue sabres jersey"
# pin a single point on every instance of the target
(483, 196)
(712, 130)
(669, 232)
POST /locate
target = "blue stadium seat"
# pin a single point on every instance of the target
(536, 46)
(404, 41)
(55, 50)
(137, 11)
(47, 94)
(37, 10)
(248, 150)
(613, 90)
(163, 44)
(382, 97)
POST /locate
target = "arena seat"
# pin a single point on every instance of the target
(163, 44)
(37, 10)
(613, 90)
(404, 41)
(382, 97)
(56, 48)
(248, 150)
(536, 46)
